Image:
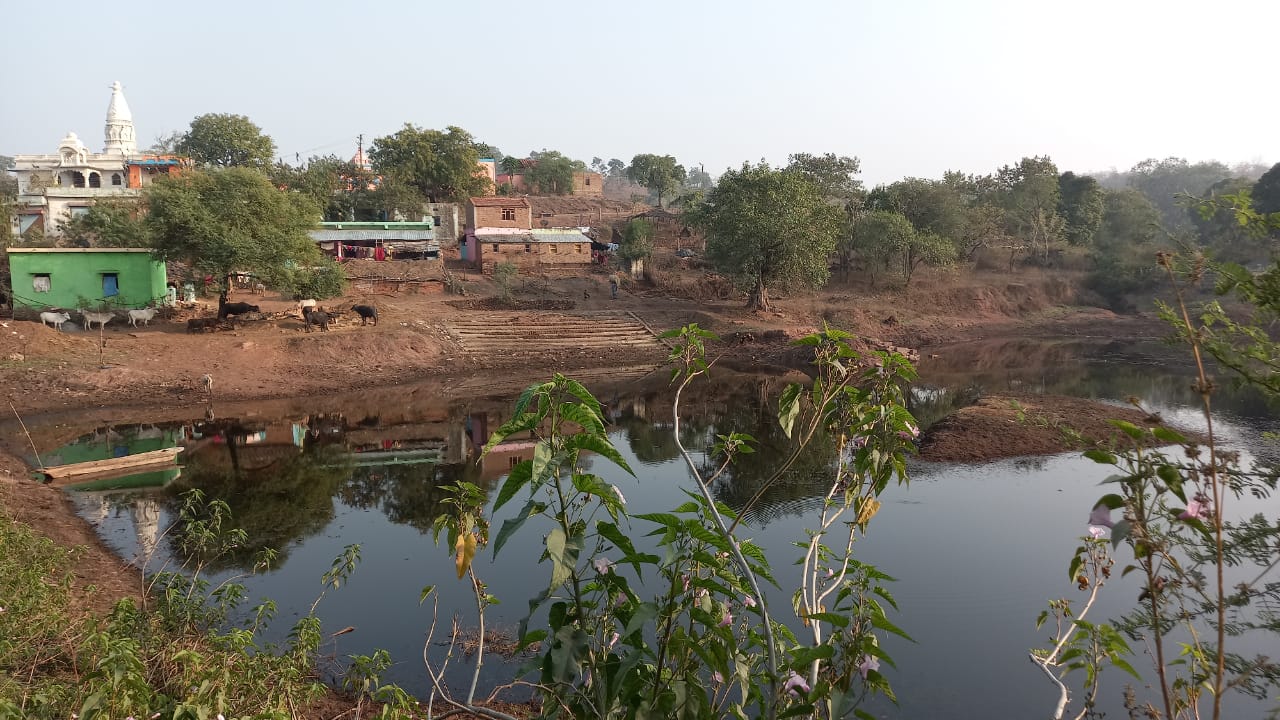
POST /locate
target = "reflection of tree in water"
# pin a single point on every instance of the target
(806, 479)
(408, 494)
(656, 443)
(285, 501)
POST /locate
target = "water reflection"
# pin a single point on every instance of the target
(976, 549)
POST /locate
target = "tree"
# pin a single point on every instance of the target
(1081, 205)
(1266, 192)
(699, 179)
(1162, 181)
(876, 237)
(1124, 247)
(222, 140)
(1030, 196)
(835, 175)
(617, 168)
(768, 228)
(931, 206)
(110, 222)
(8, 198)
(1218, 226)
(637, 240)
(441, 165)
(552, 173)
(220, 221)
(659, 173)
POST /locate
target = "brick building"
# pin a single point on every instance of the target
(499, 212)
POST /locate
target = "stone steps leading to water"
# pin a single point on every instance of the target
(482, 333)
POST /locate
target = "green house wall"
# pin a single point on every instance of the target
(76, 275)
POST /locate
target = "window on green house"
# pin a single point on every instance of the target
(110, 284)
(40, 282)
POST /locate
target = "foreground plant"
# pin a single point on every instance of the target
(687, 630)
(1206, 579)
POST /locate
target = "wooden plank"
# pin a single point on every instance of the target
(99, 466)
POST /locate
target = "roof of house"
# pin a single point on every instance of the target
(328, 235)
(518, 202)
(80, 251)
(541, 235)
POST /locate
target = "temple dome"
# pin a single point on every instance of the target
(119, 131)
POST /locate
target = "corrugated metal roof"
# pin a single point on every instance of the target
(550, 235)
(349, 235)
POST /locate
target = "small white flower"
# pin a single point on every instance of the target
(602, 564)
(748, 601)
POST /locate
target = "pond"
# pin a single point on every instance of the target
(977, 550)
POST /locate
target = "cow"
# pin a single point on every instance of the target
(315, 315)
(366, 313)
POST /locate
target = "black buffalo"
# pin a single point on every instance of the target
(366, 313)
(226, 310)
(315, 315)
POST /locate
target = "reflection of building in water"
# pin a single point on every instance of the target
(146, 523)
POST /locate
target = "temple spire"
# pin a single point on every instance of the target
(119, 131)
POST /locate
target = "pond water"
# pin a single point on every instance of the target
(977, 550)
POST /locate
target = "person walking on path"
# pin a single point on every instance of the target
(613, 287)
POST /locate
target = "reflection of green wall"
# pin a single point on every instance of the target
(86, 450)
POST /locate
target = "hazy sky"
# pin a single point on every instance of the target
(913, 88)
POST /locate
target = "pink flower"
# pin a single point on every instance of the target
(685, 580)
(869, 663)
(831, 572)
(748, 601)
(717, 676)
(795, 685)
(614, 640)
(1097, 531)
(727, 620)
(1196, 510)
(1101, 515)
(602, 564)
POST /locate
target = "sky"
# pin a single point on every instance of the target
(911, 87)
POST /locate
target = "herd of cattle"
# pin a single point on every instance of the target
(312, 314)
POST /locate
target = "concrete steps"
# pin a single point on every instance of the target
(543, 332)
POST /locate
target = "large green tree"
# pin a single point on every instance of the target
(1125, 246)
(1080, 203)
(876, 238)
(835, 175)
(659, 173)
(931, 206)
(440, 164)
(235, 219)
(224, 140)
(110, 222)
(551, 173)
(1030, 195)
(768, 228)
(1163, 181)
(1266, 192)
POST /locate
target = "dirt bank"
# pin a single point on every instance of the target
(1010, 426)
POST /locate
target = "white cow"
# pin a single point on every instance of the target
(143, 314)
(54, 318)
(96, 317)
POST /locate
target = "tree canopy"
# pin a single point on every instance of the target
(659, 173)
(768, 228)
(1162, 181)
(441, 165)
(835, 175)
(223, 140)
(220, 221)
(109, 222)
(1266, 192)
(551, 173)
(1080, 203)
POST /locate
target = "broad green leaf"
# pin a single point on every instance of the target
(834, 618)
(1119, 533)
(512, 524)
(644, 613)
(516, 479)
(1101, 457)
(589, 421)
(1168, 435)
(1111, 500)
(1128, 428)
(563, 552)
(541, 467)
(601, 446)
(578, 390)
(789, 408)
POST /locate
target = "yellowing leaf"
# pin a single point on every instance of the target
(466, 547)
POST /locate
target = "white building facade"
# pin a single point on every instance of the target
(55, 188)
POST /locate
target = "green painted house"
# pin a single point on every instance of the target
(67, 278)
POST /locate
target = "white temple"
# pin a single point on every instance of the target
(55, 188)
